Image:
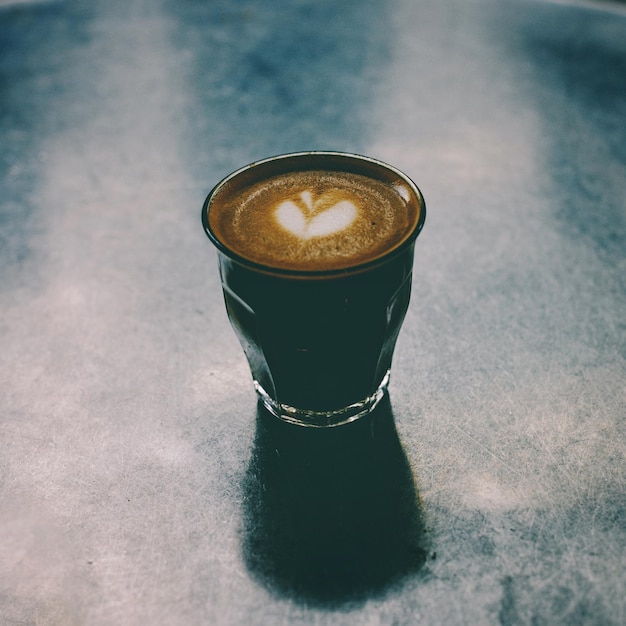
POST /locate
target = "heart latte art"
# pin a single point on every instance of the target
(313, 220)
(309, 219)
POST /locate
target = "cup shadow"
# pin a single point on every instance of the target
(331, 516)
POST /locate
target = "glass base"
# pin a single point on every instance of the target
(323, 419)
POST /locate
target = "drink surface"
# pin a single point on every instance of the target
(313, 220)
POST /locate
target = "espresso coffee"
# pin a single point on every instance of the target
(313, 219)
(316, 256)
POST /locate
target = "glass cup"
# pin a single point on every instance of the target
(319, 343)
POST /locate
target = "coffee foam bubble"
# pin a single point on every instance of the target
(313, 220)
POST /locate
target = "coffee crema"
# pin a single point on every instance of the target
(313, 220)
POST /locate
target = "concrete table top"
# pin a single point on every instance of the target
(140, 483)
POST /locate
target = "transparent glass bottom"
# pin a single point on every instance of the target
(323, 419)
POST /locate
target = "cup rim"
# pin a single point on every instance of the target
(304, 273)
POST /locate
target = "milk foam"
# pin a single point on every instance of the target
(305, 221)
(313, 220)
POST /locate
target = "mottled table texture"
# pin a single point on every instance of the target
(139, 482)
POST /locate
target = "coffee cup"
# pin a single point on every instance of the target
(316, 254)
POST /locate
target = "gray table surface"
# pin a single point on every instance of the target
(140, 484)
